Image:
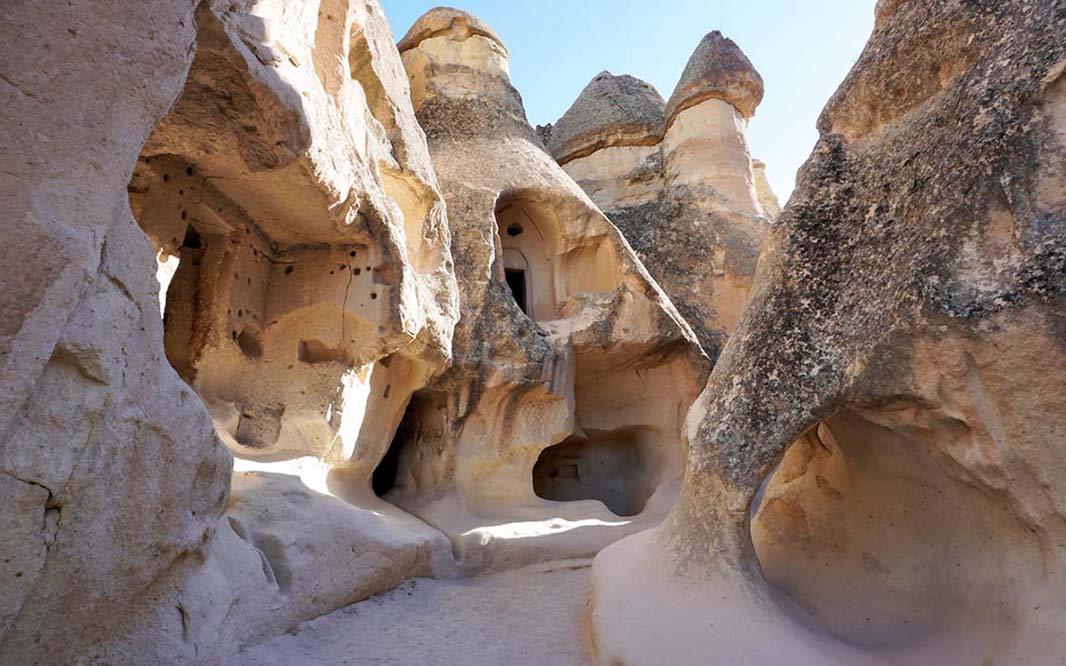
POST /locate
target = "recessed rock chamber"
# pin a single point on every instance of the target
(600, 466)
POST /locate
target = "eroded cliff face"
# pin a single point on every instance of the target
(572, 370)
(677, 179)
(896, 385)
(302, 289)
(194, 448)
(292, 313)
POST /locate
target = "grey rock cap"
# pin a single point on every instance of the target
(440, 20)
(717, 69)
(610, 111)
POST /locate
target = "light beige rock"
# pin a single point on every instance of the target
(313, 286)
(608, 141)
(704, 146)
(677, 178)
(765, 195)
(302, 247)
(112, 471)
(618, 177)
(875, 469)
(593, 371)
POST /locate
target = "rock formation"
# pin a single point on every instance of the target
(676, 178)
(765, 195)
(571, 370)
(898, 376)
(306, 288)
(292, 313)
(301, 304)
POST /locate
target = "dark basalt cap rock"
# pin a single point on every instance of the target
(610, 111)
(442, 20)
(717, 69)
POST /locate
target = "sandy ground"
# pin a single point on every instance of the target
(529, 616)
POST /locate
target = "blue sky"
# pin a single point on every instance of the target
(802, 49)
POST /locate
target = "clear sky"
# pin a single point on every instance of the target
(802, 49)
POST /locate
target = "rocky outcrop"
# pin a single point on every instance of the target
(571, 369)
(896, 383)
(112, 476)
(763, 192)
(291, 313)
(193, 447)
(312, 268)
(677, 180)
(271, 157)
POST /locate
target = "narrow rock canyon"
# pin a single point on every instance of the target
(315, 351)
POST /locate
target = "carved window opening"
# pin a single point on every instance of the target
(528, 255)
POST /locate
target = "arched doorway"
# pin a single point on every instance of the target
(527, 254)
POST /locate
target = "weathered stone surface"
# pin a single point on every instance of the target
(113, 473)
(286, 189)
(718, 69)
(763, 192)
(385, 336)
(610, 111)
(680, 186)
(575, 393)
(447, 22)
(299, 273)
(898, 373)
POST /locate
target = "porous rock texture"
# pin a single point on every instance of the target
(899, 375)
(269, 153)
(193, 446)
(677, 179)
(572, 371)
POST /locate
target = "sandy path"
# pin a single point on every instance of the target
(530, 616)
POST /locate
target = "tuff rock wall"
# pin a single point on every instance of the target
(233, 327)
(291, 313)
(875, 471)
(268, 156)
(572, 371)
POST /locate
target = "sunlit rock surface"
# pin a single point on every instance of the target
(891, 406)
(572, 371)
(677, 179)
(292, 313)
(302, 288)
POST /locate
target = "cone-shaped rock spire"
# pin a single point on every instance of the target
(717, 69)
(610, 111)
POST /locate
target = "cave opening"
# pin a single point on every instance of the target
(387, 473)
(384, 477)
(869, 490)
(604, 466)
(516, 280)
(527, 257)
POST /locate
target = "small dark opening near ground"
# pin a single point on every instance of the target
(516, 280)
(384, 477)
(605, 466)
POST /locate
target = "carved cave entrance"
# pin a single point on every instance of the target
(604, 466)
(237, 262)
(385, 474)
(516, 281)
(527, 253)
